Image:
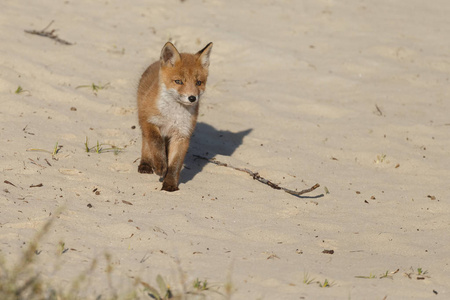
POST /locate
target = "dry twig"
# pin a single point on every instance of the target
(380, 113)
(261, 179)
(49, 34)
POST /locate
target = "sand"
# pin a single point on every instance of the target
(352, 95)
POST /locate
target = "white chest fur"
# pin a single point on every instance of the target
(175, 119)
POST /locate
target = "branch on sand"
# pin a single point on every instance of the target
(49, 34)
(261, 179)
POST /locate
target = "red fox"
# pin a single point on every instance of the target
(168, 100)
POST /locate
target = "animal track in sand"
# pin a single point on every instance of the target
(121, 168)
(72, 173)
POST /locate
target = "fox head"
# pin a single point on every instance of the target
(183, 76)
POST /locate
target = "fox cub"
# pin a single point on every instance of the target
(168, 100)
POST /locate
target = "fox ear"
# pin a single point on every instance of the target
(203, 55)
(169, 55)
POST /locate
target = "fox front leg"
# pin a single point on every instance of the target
(153, 158)
(176, 152)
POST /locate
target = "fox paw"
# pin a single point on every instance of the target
(145, 168)
(169, 187)
(160, 169)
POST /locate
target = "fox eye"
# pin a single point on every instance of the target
(179, 82)
(198, 83)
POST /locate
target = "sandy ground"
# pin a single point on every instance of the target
(353, 95)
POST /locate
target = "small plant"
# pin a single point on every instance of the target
(387, 274)
(20, 90)
(307, 280)
(53, 153)
(95, 88)
(199, 291)
(420, 274)
(381, 158)
(61, 248)
(164, 292)
(98, 148)
(325, 284)
(200, 285)
(371, 276)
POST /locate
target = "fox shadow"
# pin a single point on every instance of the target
(209, 142)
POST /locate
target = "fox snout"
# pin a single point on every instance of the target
(189, 99)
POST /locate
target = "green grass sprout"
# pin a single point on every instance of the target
(95, 88)
(325, 284)
(98, 148)
(200, 285)
(55, 151)
(307, 280)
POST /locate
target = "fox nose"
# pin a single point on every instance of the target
(192, 99)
